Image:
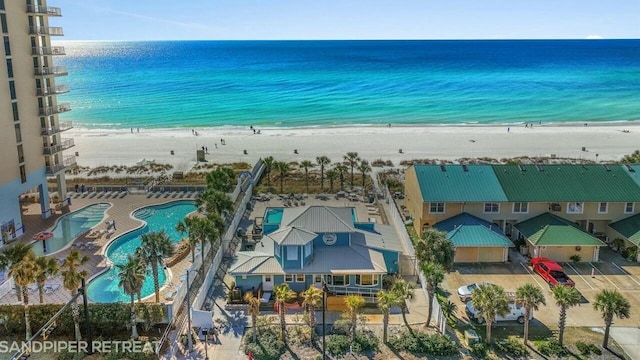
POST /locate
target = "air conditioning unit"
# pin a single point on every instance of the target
(555, 207)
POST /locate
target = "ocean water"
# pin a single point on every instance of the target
(341, 83)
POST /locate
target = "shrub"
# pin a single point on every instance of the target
(420, 342)
(338, 344)
(595, 349)
(479, 349)
(267, 345)
(367, 341)
(584, 349)
(631, 253)
(512, 346)
(550, 347)
(71, 356)
(575, 258)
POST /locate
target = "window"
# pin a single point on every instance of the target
(9, 68)
(520, 208)
(603, 208)
(308, 249)
(292, 252)
(366, 280)
(338, 280)
(317, 279)
(491, 208)
(628, 208)
(18, 133)
(1, 4)
(300, 278)
(574, 208)
(3, 20)
(267, 278)
(436, 208)
(16, 114)
(7, 46)
(12, 89)
(23, 174)
(276, 250)
(288, 278)
(20, 154)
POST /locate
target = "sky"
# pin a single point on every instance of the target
(346, 19)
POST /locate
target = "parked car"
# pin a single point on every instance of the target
(465, 291)
(516, 313)
(551, 272)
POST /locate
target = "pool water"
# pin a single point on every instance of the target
(69, 227)
(273, 216)
(104, 288)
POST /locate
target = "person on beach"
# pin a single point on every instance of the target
(132, 130)
(216, 144)
(206, 150)
(138, 129)
(508, 129)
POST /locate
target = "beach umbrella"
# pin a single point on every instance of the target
(43, 235)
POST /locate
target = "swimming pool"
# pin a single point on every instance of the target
(274, 215)
(104, 288)
(69, 227)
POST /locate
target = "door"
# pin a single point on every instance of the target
(267, 282)
(317, 281)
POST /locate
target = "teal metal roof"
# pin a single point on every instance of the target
(629, 228)
(633, 170)
(458, 183)
(584, 183)
(466, 230)
(552, 230)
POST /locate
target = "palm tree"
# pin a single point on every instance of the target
(312, 300)
(24, 273)
(490, 301)
(448, 309)
(434, 274)
(155, 247)
(611, 303)
(283, 294)
(353, 303)
(10, 256)
(253, 308)
(531, 297)
(387, 300)
(364, 168)
(268, 165)
(283, 169)
(211, 201)
(183, 227)
(433, 246)
(565, 297)
(352, 159)
(45, 267)
(332, 175)
(221, 179)
(405, 291)
(342, 169)
(200, 231)
(132, 274)
(72, 280)
(306, 165)
(322, 161)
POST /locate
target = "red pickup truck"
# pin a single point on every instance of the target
(551, 272)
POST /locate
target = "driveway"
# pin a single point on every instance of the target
(629, 339)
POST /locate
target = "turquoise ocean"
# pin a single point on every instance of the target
(170, 84)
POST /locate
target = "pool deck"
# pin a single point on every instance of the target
(120, 211)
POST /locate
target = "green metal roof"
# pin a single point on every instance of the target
(629, 228)
(552, 230)
(633, 170)
(466, 230)
(458, 183)
(584, 183)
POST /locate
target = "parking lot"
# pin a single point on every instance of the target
(590, 278)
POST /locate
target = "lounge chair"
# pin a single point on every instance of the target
(122, 194)
(158, 193)
(33, 288)
(150, 194)
(188, 194)
(51, 288)
(92, 194)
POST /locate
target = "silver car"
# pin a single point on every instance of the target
(465, 291)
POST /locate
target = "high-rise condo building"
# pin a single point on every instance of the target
(32, 140)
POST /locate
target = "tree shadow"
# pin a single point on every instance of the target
(619, 356)
(406, 323)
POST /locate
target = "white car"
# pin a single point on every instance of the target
(465, 291)
(516, 313)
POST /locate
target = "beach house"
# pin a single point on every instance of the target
(555, 211)
(31, 140)
(311, 245)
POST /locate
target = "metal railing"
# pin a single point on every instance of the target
(58, 89)
(48, 50)
(66, 163)
(56, 109)
(45, 10)
(46, 30)
(51, 130)
(51, 70)
(354, 290)
(56, 148)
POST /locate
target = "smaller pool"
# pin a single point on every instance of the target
(69, 227)
(273, 216)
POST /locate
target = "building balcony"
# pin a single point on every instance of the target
(52, 130)
(51, 110)
(56, 148)
(44, 10)
(67, 162)
(46, 30)
(48, 50)
(58, 89)
(51, 71)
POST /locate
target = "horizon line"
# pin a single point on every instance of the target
(390, 39)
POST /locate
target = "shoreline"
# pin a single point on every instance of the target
(121, 147)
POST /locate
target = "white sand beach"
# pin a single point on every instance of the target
(602, 142)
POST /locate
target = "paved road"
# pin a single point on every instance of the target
(629, 339)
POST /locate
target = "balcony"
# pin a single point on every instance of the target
(51, 110)
(52, 130)
(51, 71)
(44, 10)
(67, 162)
(46, 30)
(64, 145)
(48, 50)
(58, 89)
